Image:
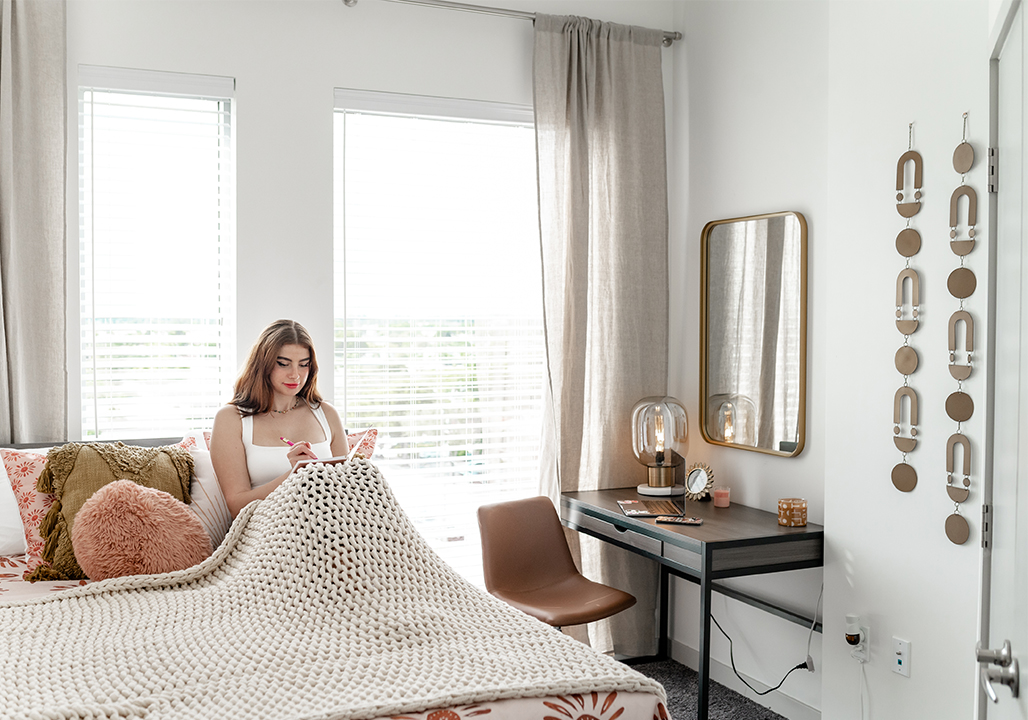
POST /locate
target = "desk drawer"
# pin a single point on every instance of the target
(683, 556)
(612, 531)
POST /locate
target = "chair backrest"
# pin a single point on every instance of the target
(523, 545)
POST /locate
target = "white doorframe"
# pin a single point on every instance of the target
(1007, 15)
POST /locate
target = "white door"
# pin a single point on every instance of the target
(1008, 595)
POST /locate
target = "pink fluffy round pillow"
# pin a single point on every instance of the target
(129, 529)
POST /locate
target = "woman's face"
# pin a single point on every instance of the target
(290, 370)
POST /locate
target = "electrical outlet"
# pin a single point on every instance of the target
(901, 656)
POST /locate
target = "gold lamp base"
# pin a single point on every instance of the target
(660, 476)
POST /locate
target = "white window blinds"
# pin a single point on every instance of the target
(156, 293)
(439, 339)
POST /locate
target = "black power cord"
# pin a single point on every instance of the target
(731, 655)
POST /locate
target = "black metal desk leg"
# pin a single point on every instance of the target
(663, 631)
(703, 673)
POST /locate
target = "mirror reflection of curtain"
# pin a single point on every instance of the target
(33, 139)
(754, 329)
(599, 105)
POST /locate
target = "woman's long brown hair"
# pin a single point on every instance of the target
(253, 391)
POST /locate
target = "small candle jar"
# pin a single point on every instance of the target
(792, 512)
(722, 496)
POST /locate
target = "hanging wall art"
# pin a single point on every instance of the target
(961, 285)
(908, 285)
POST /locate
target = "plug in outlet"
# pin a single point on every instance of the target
(859, 637)
(861, 652)
(901, 656)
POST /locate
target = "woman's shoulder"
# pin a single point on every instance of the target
(331, 414)
(228, 415)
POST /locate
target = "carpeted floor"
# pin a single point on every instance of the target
(680, 684)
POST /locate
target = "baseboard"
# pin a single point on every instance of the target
(779, 702)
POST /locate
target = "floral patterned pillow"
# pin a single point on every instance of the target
(24, 469)
(364, 442)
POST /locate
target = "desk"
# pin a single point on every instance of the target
(731, 542)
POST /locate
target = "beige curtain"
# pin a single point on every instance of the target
(599, 113)
(33, 144)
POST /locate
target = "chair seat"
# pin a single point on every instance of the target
(572, 601)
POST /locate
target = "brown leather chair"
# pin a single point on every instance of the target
(528, 564)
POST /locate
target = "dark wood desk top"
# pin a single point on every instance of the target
(737, 524)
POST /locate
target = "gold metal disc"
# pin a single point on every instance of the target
(906, 360)
(908, 242)
(957, 530)
(960, 406)
(961, 283)
(963, 157)
(904, 477)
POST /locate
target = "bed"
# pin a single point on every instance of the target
(321, 601)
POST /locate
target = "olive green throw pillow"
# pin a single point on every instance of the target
(75, 471)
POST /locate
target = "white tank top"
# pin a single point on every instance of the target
(265, 463)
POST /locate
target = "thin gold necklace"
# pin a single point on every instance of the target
(296, 401)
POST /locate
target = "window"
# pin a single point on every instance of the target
(439, 339)
(156, 232)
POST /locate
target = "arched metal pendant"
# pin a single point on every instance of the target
(908, 326)
(908, 209)
(960, 372)
(958, 494)
(905, 444)
(963, 247)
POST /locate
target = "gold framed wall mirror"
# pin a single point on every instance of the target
(753, 333)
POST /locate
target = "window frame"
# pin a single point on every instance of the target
(445, 109)
(118, 79)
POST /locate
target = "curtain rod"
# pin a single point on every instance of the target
(669, 35)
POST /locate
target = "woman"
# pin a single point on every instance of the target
(276, 418)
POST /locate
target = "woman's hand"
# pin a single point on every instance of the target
(300, 452)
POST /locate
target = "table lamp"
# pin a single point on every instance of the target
(660, 437)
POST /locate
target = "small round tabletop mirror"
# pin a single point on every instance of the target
(698, 481)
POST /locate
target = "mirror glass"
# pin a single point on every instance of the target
(698, 482)
(753, 332)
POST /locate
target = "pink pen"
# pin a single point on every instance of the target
(287, 442)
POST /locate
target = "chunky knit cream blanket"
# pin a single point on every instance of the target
(322, 602)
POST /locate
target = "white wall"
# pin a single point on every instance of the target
(804, 106)
(752, 91)
(893, 63)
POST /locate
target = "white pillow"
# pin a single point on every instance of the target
(207, 500)
(12, 531)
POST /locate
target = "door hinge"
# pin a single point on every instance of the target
(986, 526)
(993, 169)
